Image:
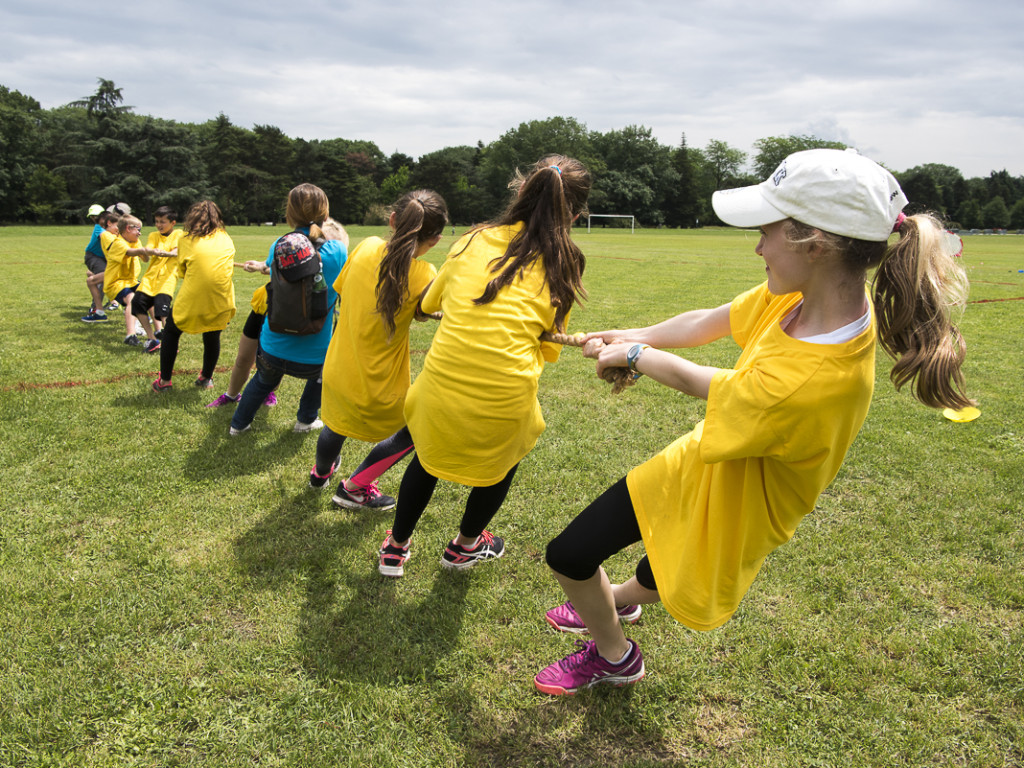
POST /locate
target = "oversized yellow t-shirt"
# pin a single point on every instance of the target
(206, 300)
(714, 503)
(473, 410)
(162, 275)
(366, 375)
(122, 270)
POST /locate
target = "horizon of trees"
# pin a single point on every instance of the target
(55, 163)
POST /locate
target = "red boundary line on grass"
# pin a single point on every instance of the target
(988, 301)
(25, 386)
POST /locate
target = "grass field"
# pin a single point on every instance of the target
(173, 597)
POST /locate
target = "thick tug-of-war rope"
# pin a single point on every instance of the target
(619, 378)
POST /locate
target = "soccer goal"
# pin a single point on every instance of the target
(632, 219)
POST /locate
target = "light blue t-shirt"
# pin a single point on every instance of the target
(311, 349)
(94, 246)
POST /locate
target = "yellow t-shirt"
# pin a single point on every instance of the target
(122, 270)
(714, 503)
(473, 411)
(366, 375)
(258, 302)
(162, 275)
(206, 300)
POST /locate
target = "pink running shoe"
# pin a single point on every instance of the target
(270, 400)
(565, 619)
(224, 399)
(587, 668)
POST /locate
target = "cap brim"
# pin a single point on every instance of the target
(745, 207)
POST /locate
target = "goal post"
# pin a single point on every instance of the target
(632, 219)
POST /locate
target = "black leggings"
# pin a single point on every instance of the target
(607, 526)
(381, 458)
(169, 350)
(418, 486)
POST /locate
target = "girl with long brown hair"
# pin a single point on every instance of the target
(206, 300)
(366, 372)
(472, 412)
(712, 505)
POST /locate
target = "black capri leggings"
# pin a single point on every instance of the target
(607, 526)
(169, 350)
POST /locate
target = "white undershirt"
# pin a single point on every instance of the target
(839, 335)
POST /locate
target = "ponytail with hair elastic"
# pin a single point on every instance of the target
(918, 289)
(420, 216)
(546, 204)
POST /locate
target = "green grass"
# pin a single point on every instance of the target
(171, 597)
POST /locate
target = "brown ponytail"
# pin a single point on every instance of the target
(918, 289)
(547, 202)
(419, 216)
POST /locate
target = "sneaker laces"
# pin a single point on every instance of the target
(370, 491)
(587, 650)
(485, 538)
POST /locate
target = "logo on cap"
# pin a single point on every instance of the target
(780, 174)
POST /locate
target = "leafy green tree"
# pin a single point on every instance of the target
(1017, 214)
(723, 164)
(45, 192)
(771, 151)
(932, 187)
(524, 145)
(454, 173)
(639, 175)
(968, 215)
(105, 103)
(682, 206)
(20, 151)
(396, 184)
(995, 215)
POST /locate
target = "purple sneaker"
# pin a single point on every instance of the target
(587, 668)
(270, 400)
(224, 399)
(565, 619)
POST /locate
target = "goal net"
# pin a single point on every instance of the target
(632, 219)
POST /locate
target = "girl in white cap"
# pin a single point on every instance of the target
(712, 505)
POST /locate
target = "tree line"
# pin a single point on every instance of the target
(54, 163)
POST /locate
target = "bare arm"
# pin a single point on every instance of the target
(664, 367)
(689, 329)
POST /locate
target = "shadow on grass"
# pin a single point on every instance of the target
(376, 637)
(600, 727)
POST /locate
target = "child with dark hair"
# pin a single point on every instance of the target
(95, 264)
(366, 371)
(158, 284)
(472, 412)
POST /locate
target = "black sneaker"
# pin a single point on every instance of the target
(488, 547)
(369, 497)
(319, 481)
(133, 341)
(392, 558)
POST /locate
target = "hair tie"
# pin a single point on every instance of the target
(899, 221)
(556, 168)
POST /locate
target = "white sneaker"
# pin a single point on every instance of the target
(232, 431)
(301, 426)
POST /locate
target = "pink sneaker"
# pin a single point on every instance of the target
(224, 399)
(587, 668)
(565, 619)
(270, 400)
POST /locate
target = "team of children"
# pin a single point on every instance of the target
(713, 505)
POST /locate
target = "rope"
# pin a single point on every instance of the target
(619, 378)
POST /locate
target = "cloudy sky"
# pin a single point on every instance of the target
(906, 83)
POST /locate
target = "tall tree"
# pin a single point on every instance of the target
(682, 206)
(771, 151)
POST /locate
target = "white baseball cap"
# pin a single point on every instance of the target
(121, 209)
(95, 209)
(833, 190)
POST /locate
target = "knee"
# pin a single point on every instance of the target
(563, 559)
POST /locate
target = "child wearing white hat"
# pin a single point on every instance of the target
(712, 505)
